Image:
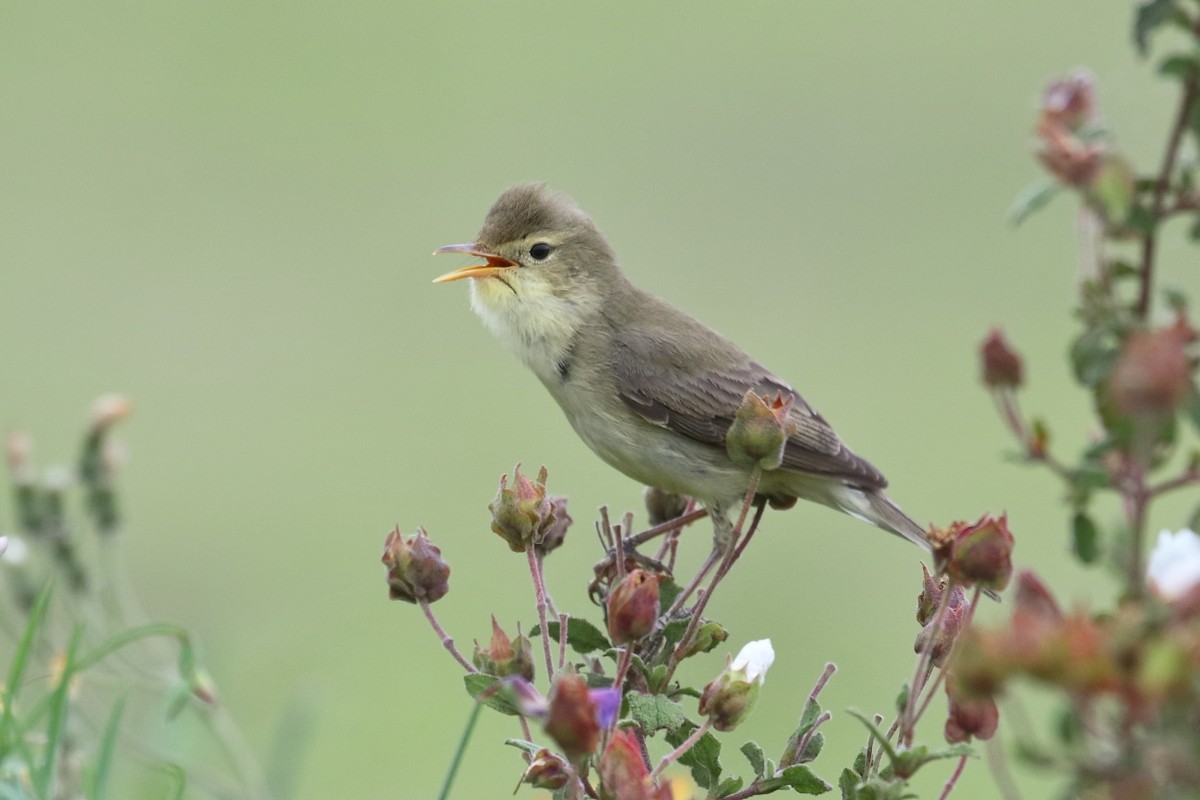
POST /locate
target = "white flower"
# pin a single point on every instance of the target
(1174, 566)
(754, 659)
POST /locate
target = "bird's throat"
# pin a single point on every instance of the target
(538, 326)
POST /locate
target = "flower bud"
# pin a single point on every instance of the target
(415, 569)
(930, 597)
(556, 531)
(109, 409)
(708, 636)
(1001, 364)
(624, 774)
(969, 715)
(1071, 161)
(547, 771)
(953, 618)
(523, 514)
(1070, 101)
(760, 430)
(503, 657)
(1152, 376)
(572, 720)
(978, 554)
(632, 607)
(728, 699)
(663, 506)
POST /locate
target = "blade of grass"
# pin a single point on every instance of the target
(16, 669)
(108, 747)
(43, 779)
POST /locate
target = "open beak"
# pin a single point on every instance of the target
(494, 263)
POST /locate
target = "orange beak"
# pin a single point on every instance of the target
(494, 265)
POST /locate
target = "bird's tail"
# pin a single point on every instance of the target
(883, 513)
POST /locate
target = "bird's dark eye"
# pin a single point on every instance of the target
(540, 251)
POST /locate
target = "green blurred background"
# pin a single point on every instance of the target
(226, 210)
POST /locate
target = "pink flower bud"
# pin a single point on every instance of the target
(503, 656)
(1001, 364)
(970, 716)
(547, 771)
(624, 774)
(556, 531)
(1070, 101)
(978, 554)
(942, 639)
(632, 607)
(572, 720)
(523, 514)
(415, 569)
(1152, 376)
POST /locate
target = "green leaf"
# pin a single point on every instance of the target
(44, 779)
(20, 659)
(704, 758)
(1093, 355)
(1193, 405)
(655, 712)
(754, 754)
(673, 631)
(1150, 15)
(668, 590)
(502, 699)
(907, 762)
(1031, 199)
(848, 782)
(583, 636)
(803, 780)
(108, 747)
(880, 737)
(729, 786)
(1181, 65)
(522, 744)
(1085, 538)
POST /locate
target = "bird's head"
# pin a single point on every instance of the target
(541, 252)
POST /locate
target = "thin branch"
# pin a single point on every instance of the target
(539, 588)
(447, 640)
(1146, 284)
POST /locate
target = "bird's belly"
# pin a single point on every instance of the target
(659, 457)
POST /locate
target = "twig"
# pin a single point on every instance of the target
(1160, 190)
(539, 588)
(447, 640)
(958, 771)
(686, 745)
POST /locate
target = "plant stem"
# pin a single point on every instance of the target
(686, 745)
(1146, 284)
(459, 751)
(539, 590)
(447, 641)
(958, 771)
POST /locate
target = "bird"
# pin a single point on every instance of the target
(649, 388)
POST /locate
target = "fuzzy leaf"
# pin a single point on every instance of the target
(798, 777)
(1150, 15)
(1085, 538)
(704, 758)
(501, 699)
(583, 636)
(655, 712)
(1031, 199)
(754, 754)
(729, 786)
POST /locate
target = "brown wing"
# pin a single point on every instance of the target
(664, 383)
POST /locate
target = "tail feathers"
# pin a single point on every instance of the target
(883, 513)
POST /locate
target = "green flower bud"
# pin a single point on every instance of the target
(760, 431)
(523, 514)
(504, 656)
(728, 699)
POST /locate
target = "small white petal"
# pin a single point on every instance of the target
(14, 551)
(1174, 566)
(755, 658)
